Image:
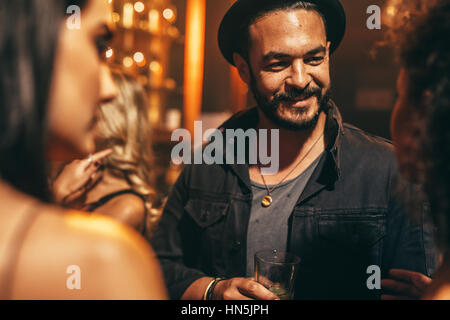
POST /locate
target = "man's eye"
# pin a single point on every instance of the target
(277, 65)
(315, 60)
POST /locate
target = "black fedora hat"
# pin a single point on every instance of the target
(243, 11)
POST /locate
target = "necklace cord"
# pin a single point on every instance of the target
(296, 166)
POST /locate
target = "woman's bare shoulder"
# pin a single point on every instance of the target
(86, 228)
(127, 208)
(113, 261)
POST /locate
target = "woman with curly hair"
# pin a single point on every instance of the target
(419, 32)
(120, 185)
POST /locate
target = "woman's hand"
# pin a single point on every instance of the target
(72, 182)
(405, 285)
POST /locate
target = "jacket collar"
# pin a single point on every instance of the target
(334, 131)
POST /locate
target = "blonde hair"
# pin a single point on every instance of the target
(124, 127)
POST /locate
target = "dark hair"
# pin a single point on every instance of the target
(29, 31)
(243, 40)
(420, 36)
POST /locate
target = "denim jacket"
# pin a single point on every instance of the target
(349, 217)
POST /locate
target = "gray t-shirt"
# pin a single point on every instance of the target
(268, 227)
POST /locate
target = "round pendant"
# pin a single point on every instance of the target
(267, 201)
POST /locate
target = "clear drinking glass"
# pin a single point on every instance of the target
(276, 270)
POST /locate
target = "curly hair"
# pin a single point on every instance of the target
(124, 127)
(419, 31)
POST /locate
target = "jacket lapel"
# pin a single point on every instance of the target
(326, 173)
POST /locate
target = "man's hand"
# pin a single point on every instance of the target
(404, 285)
(242, 289)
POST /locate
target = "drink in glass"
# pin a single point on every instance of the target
(276, 270)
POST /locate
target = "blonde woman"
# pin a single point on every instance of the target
(119, 180)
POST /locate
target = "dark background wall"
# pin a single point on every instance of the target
(362, 86)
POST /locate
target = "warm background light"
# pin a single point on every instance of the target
(153, 21)
(139, 7)
(391, 10)
(194, 61)
(115, 17)
(109, 53)
(155, 67)
(169, 15)
(138, 57)
(128, 11)
(127, 62)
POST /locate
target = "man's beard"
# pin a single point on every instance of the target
(296, 121)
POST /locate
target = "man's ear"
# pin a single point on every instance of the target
(243, 68)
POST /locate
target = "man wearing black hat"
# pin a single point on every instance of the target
(332, 201)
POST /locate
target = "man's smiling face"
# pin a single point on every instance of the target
(289, 66)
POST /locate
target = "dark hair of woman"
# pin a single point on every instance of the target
(27, 53)
(419, 33)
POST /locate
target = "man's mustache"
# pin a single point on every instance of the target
(295, 94)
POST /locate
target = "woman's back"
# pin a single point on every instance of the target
(40, 244)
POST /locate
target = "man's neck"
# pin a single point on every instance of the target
(291, 142)
(293, 148)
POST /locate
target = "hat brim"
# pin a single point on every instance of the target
(243, 10)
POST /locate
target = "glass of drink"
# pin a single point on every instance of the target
(276, 270)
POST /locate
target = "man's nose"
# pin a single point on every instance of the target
(108, 88)
(299, 77)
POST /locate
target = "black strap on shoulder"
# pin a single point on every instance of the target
(95, 205)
